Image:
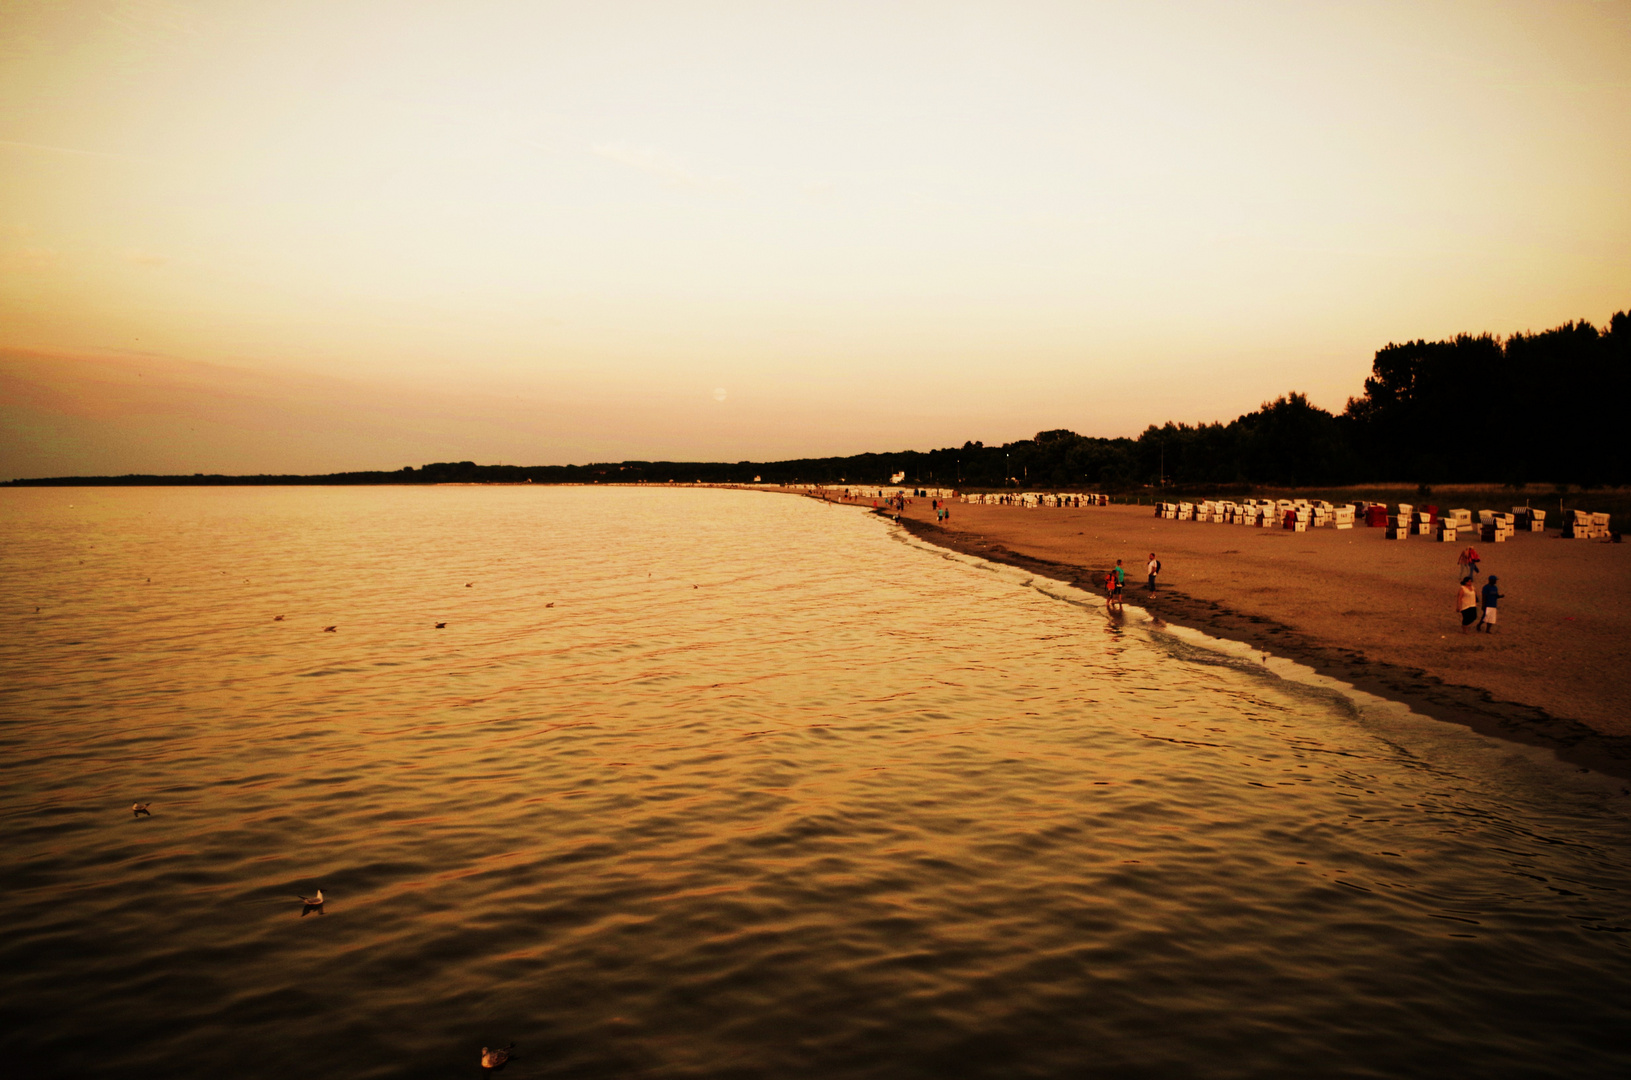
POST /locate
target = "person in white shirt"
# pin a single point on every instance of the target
(1154, 568)
(1466, 602)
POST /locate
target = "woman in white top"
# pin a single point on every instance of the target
(1466, 602)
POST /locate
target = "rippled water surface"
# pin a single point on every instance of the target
(724, 784)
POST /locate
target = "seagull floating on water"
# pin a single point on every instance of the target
(440, 625)
(330, 629)
(495, 1059)
(277, 618)
(140, 809)
(311, 904)
(469, 584)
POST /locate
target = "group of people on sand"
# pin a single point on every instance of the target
(1467, 601)
(1115, 582)
(1468, 596)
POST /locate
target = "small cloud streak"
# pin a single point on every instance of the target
(30, 256)
(48, 149)
(153, 22)
(669, 170)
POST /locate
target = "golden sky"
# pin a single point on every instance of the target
(263, 236)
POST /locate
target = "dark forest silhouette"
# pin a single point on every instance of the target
(1534, 408)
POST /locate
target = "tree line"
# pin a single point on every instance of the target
(1532, 408)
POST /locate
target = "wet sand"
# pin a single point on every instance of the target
(1376, 613)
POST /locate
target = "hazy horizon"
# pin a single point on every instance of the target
(318, 237)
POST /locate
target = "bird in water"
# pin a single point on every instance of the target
(440, 625)
(330, 629)
(277, 618)
(495, 1059)
(550, 604)
(311, 904)
(469, 584)
(140, 809)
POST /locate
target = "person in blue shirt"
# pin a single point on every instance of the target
(1491, 596)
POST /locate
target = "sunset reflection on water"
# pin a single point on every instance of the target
(771, 790)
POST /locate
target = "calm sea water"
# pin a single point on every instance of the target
(717, 784)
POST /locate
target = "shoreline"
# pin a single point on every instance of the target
(1480, 708)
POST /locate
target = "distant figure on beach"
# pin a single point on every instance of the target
(1466, 602)
(1154, 569)
(1119, 574)
(1491, 596)
(1468, 562)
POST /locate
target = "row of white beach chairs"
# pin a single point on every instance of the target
(1032, 500)
(1584, 525)
(1448, 527)
(869, 491)
(1402, 520)
(1298, 515)
(1451, 526)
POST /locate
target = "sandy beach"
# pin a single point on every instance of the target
(1376, 613)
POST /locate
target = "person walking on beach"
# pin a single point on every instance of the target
(1466, 602)
(1491, 596)
(1468, 562)
(1154, 569)
(1120, 575)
